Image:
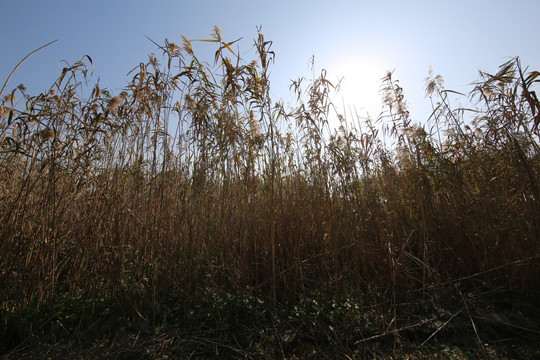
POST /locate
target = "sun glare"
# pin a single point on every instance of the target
(361, 78)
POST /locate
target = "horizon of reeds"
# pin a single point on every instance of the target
(193, 181)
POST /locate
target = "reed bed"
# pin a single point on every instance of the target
(192, 186)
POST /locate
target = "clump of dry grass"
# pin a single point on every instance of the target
(193, 182)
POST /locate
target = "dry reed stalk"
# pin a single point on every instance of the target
(189, 184)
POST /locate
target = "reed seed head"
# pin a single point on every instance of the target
(187, 46)
(46, 134)
(254, 125)
(153, 60)
(217, 34)
(487, 92)
(10, 98)
(114, 103)
(190, 102)
(173, 49)
(4, 111)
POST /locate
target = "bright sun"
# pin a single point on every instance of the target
(361, 82)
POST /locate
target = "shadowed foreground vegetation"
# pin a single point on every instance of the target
(191, 216)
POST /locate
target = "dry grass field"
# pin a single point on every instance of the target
(192, 216)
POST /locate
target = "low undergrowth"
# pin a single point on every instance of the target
(228, 326)
(193, 216)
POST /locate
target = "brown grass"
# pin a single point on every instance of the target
(193, 182)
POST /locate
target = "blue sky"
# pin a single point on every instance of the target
(356, 39)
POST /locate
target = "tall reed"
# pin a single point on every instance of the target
(193, 181)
